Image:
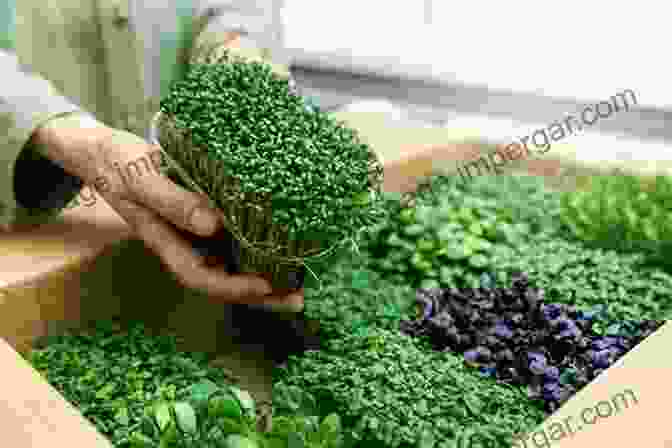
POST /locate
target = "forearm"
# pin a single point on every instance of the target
(31, 187)
(73, 142)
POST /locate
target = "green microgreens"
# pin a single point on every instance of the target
(320, 180)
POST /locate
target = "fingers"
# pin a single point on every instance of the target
(157, 209)
(134, 175)
(184, 209)
(292, 303)
(189, 268)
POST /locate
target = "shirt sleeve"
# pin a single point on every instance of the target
(32, 187)
(258, 22)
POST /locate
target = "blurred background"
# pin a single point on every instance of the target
(500, 67)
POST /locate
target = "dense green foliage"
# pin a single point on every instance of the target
(371, 374)
(573, 274)
(359, 374)
(517, 198)
(316, 175)
(139, 390)
(112, 375)
(392, 392)
(623, 212)
(354, 298)
(448, 233)
(357, 305)
(452, 233)
(213, 416)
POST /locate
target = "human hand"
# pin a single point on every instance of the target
(118, 164)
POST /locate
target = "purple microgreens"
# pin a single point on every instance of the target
(568, 329)
(551, 311)
(471, 356)
(537, 363)
(601, 359)
(501, 330)
(552, 391)
(552, 374)
(604, 343)
(512, 335)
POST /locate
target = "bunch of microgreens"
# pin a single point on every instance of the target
(252, 142)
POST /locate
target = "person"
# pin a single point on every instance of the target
(81, 82)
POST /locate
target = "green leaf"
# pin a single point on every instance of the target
(121, 416)
(186, 417)
(202, 390)
(294, 440)
(362, 198)
(446, 274)
(295, 400)
(283, 426)
(447, 233)
(275, 442)
(425, 245)
(239, 441)
(568, 376)
(231, 426)
(169, 436)
(476, 228)
(394, 240)
(427, 440)
(360, 280)
(387, 265)
(162, 416)
(649, 229)
(478, 261)
(225, 406)
(414, 230)
(614, 329)
(330, 427)
(148, 426)
(430, 283)
(106, 392)
(139, 440)
(424, 215)
(454, 251)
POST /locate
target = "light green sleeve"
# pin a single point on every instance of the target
(32, 188)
